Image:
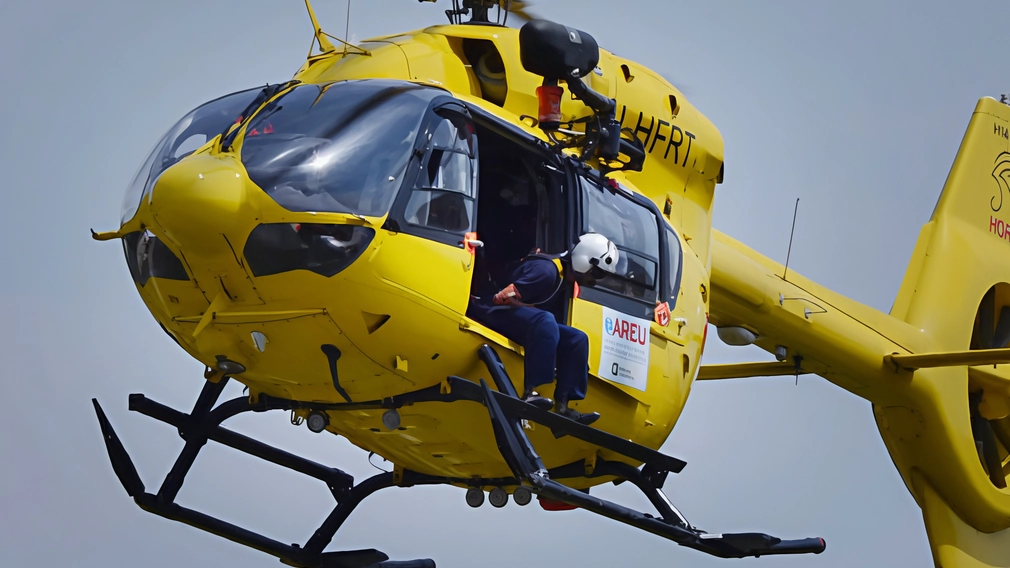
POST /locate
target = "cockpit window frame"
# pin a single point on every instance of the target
(397, 219)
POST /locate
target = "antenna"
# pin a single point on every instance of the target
(791, 233)
(347, 27)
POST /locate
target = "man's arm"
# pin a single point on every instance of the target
(534, 280)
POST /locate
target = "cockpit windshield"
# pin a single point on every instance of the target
(341, 147)
(189, 134)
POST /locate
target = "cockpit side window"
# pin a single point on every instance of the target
(634, 286)
(674, 267)
(443, 194)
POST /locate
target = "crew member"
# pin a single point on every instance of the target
(548, 344)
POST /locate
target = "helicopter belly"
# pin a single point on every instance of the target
(374, 338)
(381, 329)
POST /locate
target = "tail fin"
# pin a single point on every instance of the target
(969, 232)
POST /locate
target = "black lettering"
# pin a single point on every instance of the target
(648, 132)
(659, 134)
(690, 137)
(624, 111)
(995, 129)
(674, 143)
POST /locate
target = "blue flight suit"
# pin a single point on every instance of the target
(549, 345)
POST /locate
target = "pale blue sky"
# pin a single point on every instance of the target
(855, 107)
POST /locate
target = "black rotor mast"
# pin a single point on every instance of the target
(479, 11)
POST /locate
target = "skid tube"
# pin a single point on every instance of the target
(506, 412)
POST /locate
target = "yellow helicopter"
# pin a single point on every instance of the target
(295, 238)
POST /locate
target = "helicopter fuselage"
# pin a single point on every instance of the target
(246, 254)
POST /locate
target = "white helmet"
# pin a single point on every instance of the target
(594, 250)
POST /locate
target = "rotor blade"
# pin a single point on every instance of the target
(990, 452)
(520, 9)
(986, 313)
(1002, 335)
(121, 462)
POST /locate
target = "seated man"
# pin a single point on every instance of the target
(549, 345)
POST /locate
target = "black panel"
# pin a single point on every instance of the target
(323, 249)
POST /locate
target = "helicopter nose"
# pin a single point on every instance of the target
(202, 205)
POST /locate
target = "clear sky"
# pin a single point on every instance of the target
(855, 107)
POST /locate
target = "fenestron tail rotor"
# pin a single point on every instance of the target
(989, 406)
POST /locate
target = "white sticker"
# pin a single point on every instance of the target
(624, 353)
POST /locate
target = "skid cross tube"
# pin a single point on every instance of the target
(492, 361)
(512, 442)
(203, 424)
(624, 472)
(195, 437)
(561, 426)
(337, 481)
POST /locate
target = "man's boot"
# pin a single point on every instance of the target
(563, 409)
(541, 402)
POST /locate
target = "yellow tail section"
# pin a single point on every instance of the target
(956, 290)
(946, 419)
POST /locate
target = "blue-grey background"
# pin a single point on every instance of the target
(856, 107)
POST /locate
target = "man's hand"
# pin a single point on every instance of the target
(509, 296)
